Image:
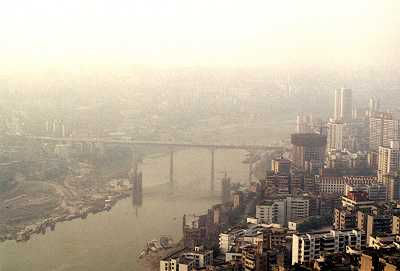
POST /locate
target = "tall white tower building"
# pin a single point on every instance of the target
(338, 101)
(335, 136)
(343, 105)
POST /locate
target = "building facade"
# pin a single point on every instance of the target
(343, 105)
(310, 246)
(335, 136)
(383, 128)
(271, 212)
(388, 159)
(308, 149)
(337, 185)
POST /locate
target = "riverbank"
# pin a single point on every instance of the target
(41, 226)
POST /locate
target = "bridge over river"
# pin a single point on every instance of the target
(172, 146)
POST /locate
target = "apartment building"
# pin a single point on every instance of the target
(310, 246)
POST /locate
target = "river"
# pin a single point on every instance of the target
(111, 241)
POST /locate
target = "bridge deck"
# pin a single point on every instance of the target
(156, 143)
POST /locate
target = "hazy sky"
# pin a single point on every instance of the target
(48, 34)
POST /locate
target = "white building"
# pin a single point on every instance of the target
(227, 239)
(271, 212)
(200, 256)
(283, 210)
(337, 185)
(176, 264)
(343, 105)
(186, 261)
(383, 128)
(332, 185)
(308, 247)
(384, 241)
(388, 159)
(335, 136)
(353, 204)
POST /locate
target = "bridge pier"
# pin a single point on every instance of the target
(135, 178)
(171, 166)
(251, 162)
(135, 162)
(250, 172)
(212, 170)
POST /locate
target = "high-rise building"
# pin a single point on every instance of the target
(270, 212)
(282, 184)
(343, 105)
(281, 166)
(297, 208)
(383, 128)
(344, 219)
(237, 199)
(310, 246)
(308, 149)
(280, 211)
(277, 184)
(335, 136)
(392, 183)
(373, 221)
(346, 105)
(389, 159)
(347, 136)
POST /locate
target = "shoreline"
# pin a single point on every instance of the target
(102, 205)
(50, 222)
